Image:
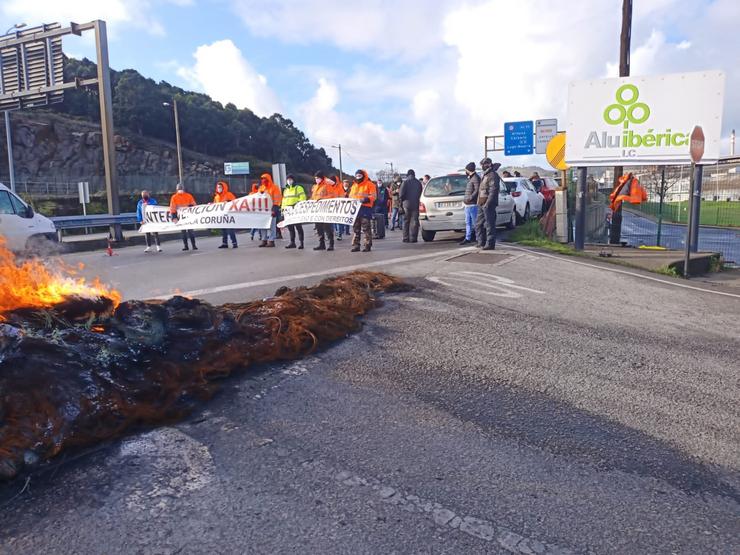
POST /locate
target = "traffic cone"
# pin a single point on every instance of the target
(109, 248)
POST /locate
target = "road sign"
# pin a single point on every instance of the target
(236, 168)
(545, 129)
(555, 152)
(518, 138)
(697, 144)
(83, 189)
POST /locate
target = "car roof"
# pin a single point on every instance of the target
(3, 187)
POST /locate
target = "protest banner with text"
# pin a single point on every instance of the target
(251, 211)
(341, 211)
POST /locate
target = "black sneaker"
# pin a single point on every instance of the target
(300, 247)
(290, 246)
(186, 248)
(234, 246)
(224, 246)
(366, 249)
(320, 247)
(355, 249)
(195, 248)
(330, 248)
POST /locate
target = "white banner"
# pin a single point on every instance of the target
(643, 120)
(328, 211)
(251, 211)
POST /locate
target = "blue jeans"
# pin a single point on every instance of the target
(396, 219)
(272, 233)
(341, 229)
(471, 213)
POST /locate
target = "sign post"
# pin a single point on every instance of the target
(518, 138)
(236, 168)
(696, 151)
(545, 130)
(83, 190)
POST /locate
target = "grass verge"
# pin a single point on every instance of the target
(530, 234)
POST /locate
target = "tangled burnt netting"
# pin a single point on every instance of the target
(82, 370)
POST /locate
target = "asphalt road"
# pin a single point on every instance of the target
(514, 402)
(638, 230)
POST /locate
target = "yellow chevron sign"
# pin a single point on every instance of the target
(555, 152)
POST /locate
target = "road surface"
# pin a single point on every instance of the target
(637, 230)
(515, 402)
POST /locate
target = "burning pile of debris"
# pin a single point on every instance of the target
(83, 367)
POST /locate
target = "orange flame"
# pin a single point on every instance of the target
(31, 284)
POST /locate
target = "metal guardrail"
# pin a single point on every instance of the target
(95, 220)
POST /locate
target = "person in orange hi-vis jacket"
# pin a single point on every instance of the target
(222, 194)
(324, 189)
(183, 199)
(365, 191)
(268, 186)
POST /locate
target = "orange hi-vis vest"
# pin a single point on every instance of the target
(364, 188)
(268, 186)
(181, 198)
(324, 189)
(628, 189)
(225, 195)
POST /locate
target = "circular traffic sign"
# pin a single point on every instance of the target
(555, 152)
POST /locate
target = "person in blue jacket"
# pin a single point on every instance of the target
(146, 199)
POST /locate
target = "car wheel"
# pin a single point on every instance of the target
(511, 224)
(428, 236)
(522, 219)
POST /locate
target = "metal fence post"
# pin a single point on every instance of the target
(696, 208)
(581, 209)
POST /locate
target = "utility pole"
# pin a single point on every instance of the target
(625, 39)
(391, 165)
(732, 142)
(8, 130)
(177, 139)
(9, 138)
(341, 172)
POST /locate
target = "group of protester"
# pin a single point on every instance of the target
(401, 200)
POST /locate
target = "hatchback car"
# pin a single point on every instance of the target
(441, 207)
(528, 201)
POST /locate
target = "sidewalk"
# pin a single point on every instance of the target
(651, 260)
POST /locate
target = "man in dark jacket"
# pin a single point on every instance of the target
(487, 202)
(471, 203)
(410, 195)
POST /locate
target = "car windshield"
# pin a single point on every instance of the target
(447, 186)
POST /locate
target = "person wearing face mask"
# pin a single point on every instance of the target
(147, 200)
(488, 192)
(292, 195)
(365, 191)
(268, 186)
(470, 202)
(396, 208)
(324, 189)
(222, 194)
(182, 199)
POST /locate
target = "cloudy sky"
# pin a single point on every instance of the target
(413, 82)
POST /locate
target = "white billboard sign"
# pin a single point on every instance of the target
(643, 120)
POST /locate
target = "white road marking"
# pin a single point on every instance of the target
(501, 286)
(626, 273)
(283, 279)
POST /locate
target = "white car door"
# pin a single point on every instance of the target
(535, 199)
(13, 227)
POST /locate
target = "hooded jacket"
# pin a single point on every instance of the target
(365, 189)
(410, 193)
(490, 185)
(181, 199)
(267, 185)
(140, 207)
(225, 195)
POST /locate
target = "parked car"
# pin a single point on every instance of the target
(441, 207)
(548, 191)
(528, 201)
(20, 226)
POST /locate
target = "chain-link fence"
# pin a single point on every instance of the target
(661, 221)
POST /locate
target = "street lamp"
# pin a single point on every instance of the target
(341, 173)
(8, 132)
(391, 165)
(177, 137)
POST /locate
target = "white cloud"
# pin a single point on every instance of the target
(222, 72)
(116, 13)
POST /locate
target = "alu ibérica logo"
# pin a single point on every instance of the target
(625, 111)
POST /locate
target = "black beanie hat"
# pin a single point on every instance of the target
(470, 167)
(319, 174)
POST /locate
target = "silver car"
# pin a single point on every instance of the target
(441, 206)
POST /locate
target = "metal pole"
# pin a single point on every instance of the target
(106, 125)
(581, 210)
(341, 171)
(696, 208)
(690, 216)
(660, 206)
(732, 143)
(9, 138)
(179, 149)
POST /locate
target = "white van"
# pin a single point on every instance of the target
(20, 226)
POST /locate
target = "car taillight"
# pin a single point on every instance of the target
(422, 208)
(516, 194)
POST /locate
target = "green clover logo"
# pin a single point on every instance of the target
(624, 110)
